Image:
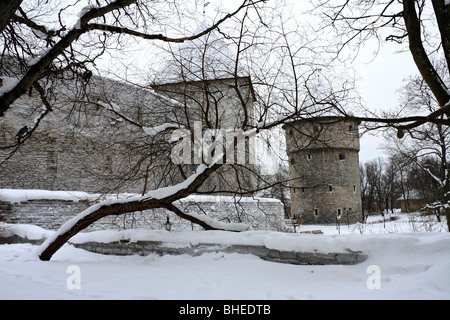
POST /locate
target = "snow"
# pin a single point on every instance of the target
(8, 84)
(411, 265)
(20, 195)
(152, 131)
(86, 9)
(30, 232)
(110, 106)
(222, 198)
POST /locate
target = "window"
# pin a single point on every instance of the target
(309, 156)
(354, 188)
(315, 128)
(303, 189)
(350, 128)
(292, 161)
(341, 156)
(316, 212)
(330, 188)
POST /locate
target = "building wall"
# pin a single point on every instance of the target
(82, 146)
(413, 204)
(78, 145)
(324, 170)
(219, 104)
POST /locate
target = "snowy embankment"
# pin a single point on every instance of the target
(407, 265)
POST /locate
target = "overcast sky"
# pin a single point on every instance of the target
(379, 84)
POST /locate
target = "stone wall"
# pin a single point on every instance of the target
(48, 214)
(78, 145)
(261, 214)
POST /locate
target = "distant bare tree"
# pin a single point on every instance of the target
(425, 147)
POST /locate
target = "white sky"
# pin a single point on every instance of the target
(378, 85)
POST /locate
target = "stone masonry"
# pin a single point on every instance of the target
(259, 213)
(324, 170)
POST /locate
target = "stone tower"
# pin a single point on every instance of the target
(324, 170)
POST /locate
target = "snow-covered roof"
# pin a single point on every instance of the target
(206, 58)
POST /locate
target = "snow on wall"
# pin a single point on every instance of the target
(50, 209)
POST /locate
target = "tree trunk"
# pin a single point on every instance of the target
(98, 211)
(442, 12)
(445, 201)
(7, 9)
(420, 56)
(447, 215)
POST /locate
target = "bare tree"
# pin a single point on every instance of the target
(411, 22)
(41, 49)
(371, 187)
(355, 23)
(426, 146)
(288, 81)
(45, 51)
(290, 75)
(7, 9)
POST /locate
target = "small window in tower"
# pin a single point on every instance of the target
(315, 128)
(303, 189)
(341, 156)
(350, 128)
(354, 188)
(316, 212)
(309, 156)
(292, 161)
(330, 188)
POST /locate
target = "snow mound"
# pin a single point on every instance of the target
(410, 266)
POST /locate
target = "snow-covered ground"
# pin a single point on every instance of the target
(404, 263)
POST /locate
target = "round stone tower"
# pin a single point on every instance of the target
(324, 170)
